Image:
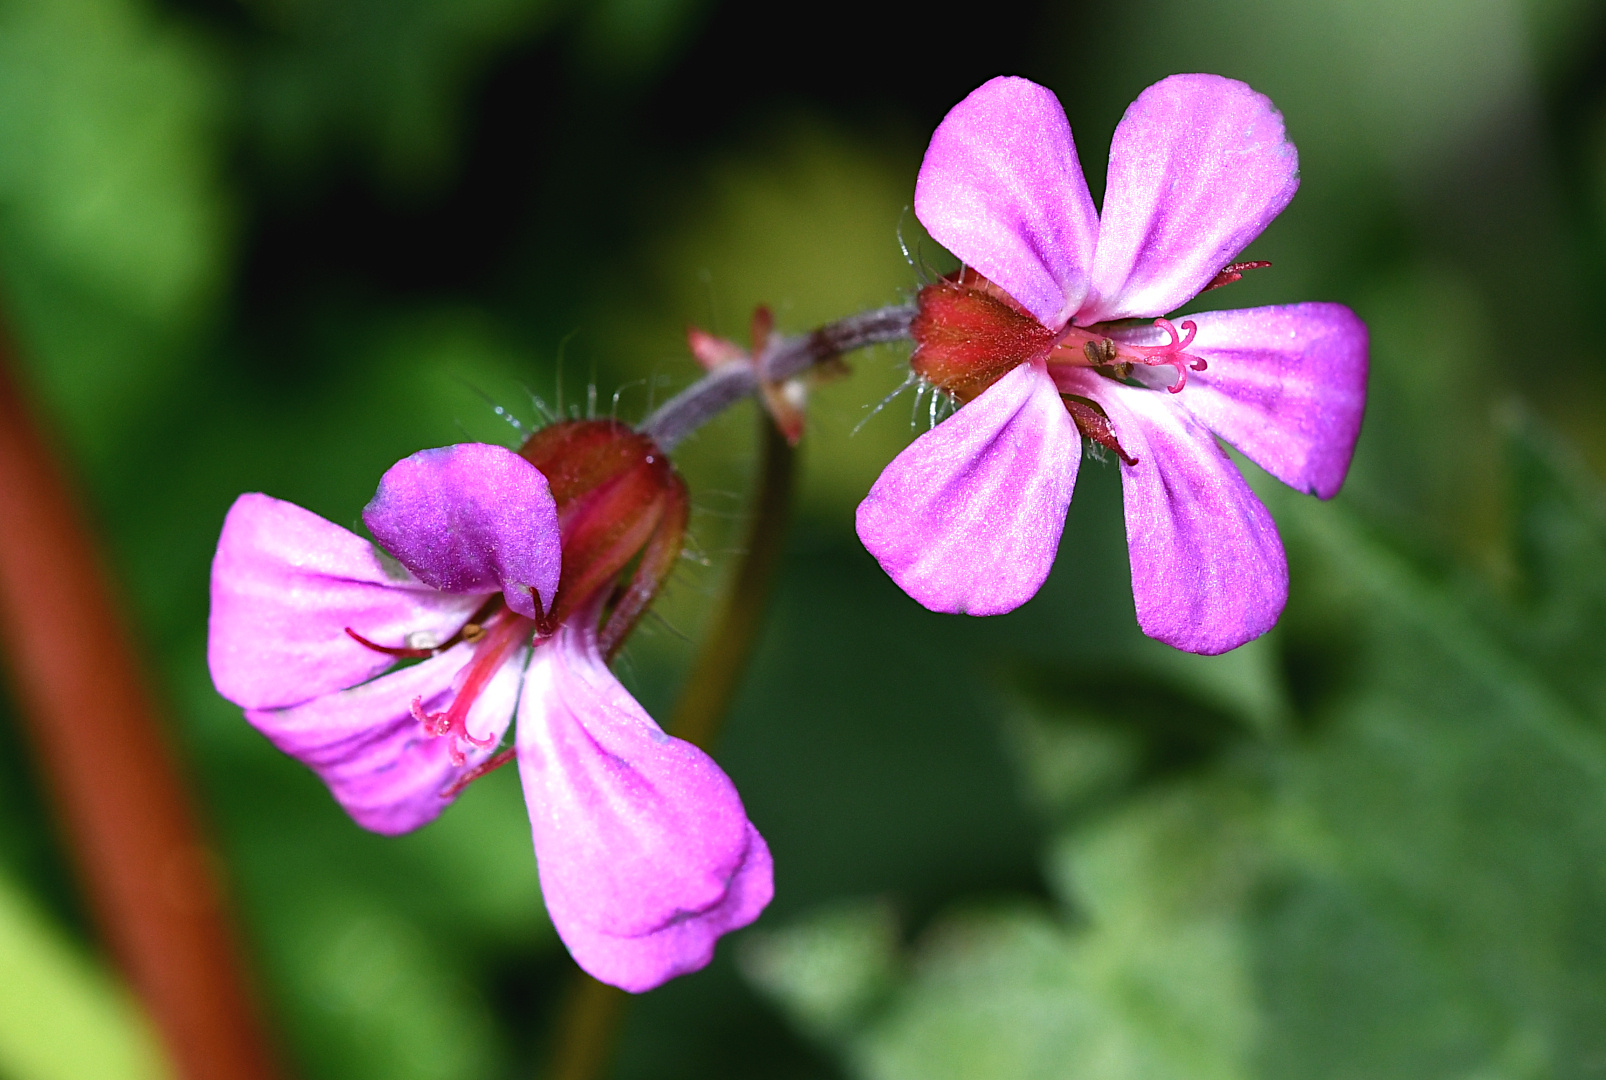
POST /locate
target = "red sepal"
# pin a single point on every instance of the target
(966, 338)
(613, 487)
(1091, 422)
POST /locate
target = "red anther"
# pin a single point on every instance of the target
(469, 631)
(389, 650)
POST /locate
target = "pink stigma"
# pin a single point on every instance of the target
(495, 644)
(1171, 353)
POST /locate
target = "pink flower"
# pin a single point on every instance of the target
(1033, 340)
(495, 579)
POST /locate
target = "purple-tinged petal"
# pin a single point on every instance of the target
(645, 852)
(471, 518)
(365, 743)
(1208, 570)
(1002, 189)
(641, 963)
(968, 518)
(1198, 167)
(285, 586)
(1286, 386)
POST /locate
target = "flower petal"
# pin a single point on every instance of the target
(1198, 167)
(645, 852)
(968, 518)
(1002, 189)
(285, 586)
(378, 761)
(1285, 385)
(641, 963)
(1208, 570)
(471, 518)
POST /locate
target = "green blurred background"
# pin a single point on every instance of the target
(274, 245)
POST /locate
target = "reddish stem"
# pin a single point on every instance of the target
(139, 853)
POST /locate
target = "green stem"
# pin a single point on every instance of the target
(592, 1014)
(718, 669)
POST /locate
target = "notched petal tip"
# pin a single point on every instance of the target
(1001, 188)
(686, 943)
(645, 851)
(471, 518)
(1286, 385)
(1199, 166)
(968, 518)
(1208, 569)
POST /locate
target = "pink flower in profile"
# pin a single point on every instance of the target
(1054, 332)
(495, 579)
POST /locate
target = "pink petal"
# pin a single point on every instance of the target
(641, 963)
(285, 586)
(378, 761)
(1208, 571)
(968, 518)
(645, 852)
(1002, 189)
(1285, 385)
(471, 518)
(1198, 167)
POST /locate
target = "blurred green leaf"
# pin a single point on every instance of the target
(61, 1016)
(113, 225)
(1408, 883)
(830, 969)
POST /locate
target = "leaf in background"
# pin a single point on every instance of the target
(1558, 559)
(113, 226)
(1409, 883)
(832, 969)
(61, 1016)
(1156, 984)
(387, 77)
(386, 1002)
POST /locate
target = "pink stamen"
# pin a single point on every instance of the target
(1171, 353)
(490, 653)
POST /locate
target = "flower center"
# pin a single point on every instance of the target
(495, 645)
(1092, 347)
(495, 632)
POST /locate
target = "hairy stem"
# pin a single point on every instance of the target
(138, 850)
(785, 357)
(591, 1016)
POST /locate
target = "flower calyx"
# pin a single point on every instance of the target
(785, 399)
(619, 501)
(969, 333)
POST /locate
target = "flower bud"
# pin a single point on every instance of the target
(618, 499)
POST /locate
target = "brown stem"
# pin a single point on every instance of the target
(720, 662)
(593, 1011)
(138, 851)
